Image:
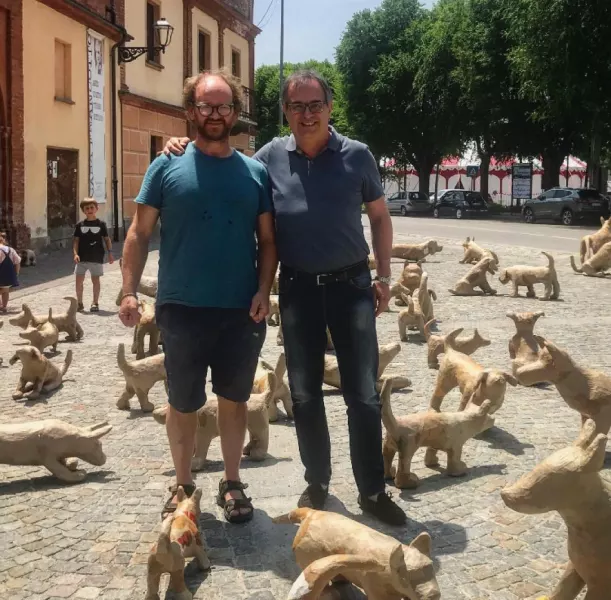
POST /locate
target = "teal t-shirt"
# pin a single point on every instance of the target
(209, 208)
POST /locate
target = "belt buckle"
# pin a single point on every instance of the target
(318, 281)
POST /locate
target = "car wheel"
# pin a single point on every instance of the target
(403, 211)
(436, 213)
(459, 214)
(529, 215)
(567, 217)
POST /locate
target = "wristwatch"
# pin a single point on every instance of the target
(382, 279)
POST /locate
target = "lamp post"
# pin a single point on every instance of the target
(126, 54)
(281, 115)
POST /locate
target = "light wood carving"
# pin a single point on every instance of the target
(435, 343)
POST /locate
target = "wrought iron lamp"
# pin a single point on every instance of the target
(163, 38)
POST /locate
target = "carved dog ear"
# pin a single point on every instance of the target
(422, 543)
(99, 430)
(510, 379)
(433, 295)
(180, 494)
(593, 445)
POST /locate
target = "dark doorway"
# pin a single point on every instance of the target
(62, 191)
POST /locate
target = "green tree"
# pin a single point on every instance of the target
(267, 91)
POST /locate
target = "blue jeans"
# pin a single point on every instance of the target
(347, 308)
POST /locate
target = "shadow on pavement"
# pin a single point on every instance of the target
(500, 439)
(49, 482)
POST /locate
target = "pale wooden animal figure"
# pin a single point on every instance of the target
(526, 276)
(597, 264)
(53, 444)
(140, 377)
(311, 584)
(179, 539)
(473, 253)
(28, 258)
(38, 373)
(476, 384)
(146, 326)
(416, 252)
(408, 570)
(411, 318)
(387, 354)
(42, 336)
(476, 278)
(569, 482)
(426, 297)
(397, 290)
(282, 393)
(523, 346)
(257, 425)
(65, 322)
(585, 390)
(147, 286)
(445, 431)
(273, 318)
(591, 244)
(411, 276)
(435, 342)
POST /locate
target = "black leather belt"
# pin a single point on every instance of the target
(325, 278)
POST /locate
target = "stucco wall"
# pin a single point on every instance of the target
(205, 22)
(164, 84)
(49, 123)
(239, 43)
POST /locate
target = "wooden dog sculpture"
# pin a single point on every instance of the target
(179, 539)
(569, 482)
(407, 571)
(476, 384)
(416, 252)
(53, 444)
(523, 346)
(476, 278)
(584, 390)
(38, 373)
(411, 276)
(474, 253)
(146, 326)
(65, 322)
(411, 318)
(436, 342)
(42, 336)
(591, 244)
(596, 265)
(445, 431)
(281, 391)
(526, 276)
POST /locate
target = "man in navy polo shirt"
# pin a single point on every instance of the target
(319, 181)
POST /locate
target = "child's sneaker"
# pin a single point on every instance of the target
(94, 308)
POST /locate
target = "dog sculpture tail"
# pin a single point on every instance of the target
(67, 362)
(450, 339)
(295, 516)
(121, 360)
(388, 417)
(267, 396)
(73, 305)
(479, 339)
(50, 317)
(163, 551)
(280, 369)
(584, 248)
(550, 259)
(575, 267)
(427, 329)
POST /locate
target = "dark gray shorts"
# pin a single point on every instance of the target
(225, 339)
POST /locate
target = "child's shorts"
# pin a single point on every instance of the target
(96, 269)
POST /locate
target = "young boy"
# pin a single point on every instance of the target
(90, 236)
(9, 269)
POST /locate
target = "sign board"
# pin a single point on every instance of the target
(473, 171)
(97, 117)
(522, 181)
(251, 142)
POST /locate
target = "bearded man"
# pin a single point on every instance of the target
(217, 262)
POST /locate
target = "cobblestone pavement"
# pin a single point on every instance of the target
(91, 540)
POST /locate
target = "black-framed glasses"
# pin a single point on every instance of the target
(206, 110)
(298, 108)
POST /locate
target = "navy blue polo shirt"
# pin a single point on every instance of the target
(317, 202)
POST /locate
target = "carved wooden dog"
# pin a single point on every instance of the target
(584, 390)
(526, 276)
(523, 346)
(257, 424)
(476, 278)
(411, 276)
(591, 244)
(569, 482)
(474, 253)
(476, 384)
(407, 570)
(426, 297)
(416, 252)
(179, 539)
(53, 444)
(281, 390)
(147, 286)
(38, 373)
(596, 265)
(411, 318)
(65, 322)
(435, 344)
(445, 431)
(397, 290)
(140, 377)
(146, 326)
(273, 318)
(44, 335)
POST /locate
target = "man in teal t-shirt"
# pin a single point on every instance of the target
(217, 262)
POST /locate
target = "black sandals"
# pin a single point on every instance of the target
(234, 504)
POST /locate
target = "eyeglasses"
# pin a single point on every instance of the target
(298, 108)
(205, 110)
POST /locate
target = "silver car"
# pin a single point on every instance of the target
(406, 203)
(565, 205)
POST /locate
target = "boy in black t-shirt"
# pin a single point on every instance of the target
(90, 237)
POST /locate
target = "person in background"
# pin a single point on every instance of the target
(10, 263)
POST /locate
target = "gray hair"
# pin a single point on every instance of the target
(302, 76)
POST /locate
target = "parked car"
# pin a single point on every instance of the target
(408, 203)
(460, 204)
(565, 204)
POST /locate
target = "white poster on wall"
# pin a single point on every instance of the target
(97, 122)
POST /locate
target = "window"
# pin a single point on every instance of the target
(152, 16)
(203, 50)
(156, 146)
(63, 71)
(235, 63)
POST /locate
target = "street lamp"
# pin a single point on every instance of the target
(163, 38)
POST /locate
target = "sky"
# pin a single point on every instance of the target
(313, 35)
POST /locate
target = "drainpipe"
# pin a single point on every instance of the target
(113, 133)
